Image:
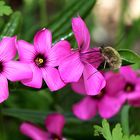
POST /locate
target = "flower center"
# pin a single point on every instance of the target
(40, 60)
(129, 87)
(54, 137)
(100, 95)
(1, 67)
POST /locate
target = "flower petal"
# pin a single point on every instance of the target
(55, 123)
(71, 68)
(79, 87)
(114, 84)
(36, 80)
(58, 52)
(52, 78)
(43, 41)
(128, 74)
(26, 51)
(109, 106)
(93, 79)
(7, 48)
(4, 93)
(85, 109)
(81, 33)
(33, 131)
(16, 71)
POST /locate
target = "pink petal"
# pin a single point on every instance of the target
(58, 52)
(128, 74)
(92, 56)
(7, 48)
(114, 84)
(26, 51)
(55, 123)
(135, 101)
(36, 80)
(16, 71)
(93, 79)
(85, 109)
(52, 78)
(34, 132)
(43, 41)
(79, 87)
(109, 106)
(81, 33)
(4, 93)
(71, 68)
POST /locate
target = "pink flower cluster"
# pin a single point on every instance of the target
(120, 87)
(56, 64)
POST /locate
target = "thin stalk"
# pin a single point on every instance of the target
(125, 119)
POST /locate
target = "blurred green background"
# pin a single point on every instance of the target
(112, 22)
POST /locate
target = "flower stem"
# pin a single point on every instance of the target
(125, 119)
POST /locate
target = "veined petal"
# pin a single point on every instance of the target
(17, 71)
(4, 93)
(36, 80)
(93, 79)
(79, 87)
(85, 109)
(128, 74)
(71, 68)
(7, 48)
(81, 33)
(43, 41)
(58, 52)
(55, 123)
(109, 106)
(33, 131)
(52, 78)
(26, 51)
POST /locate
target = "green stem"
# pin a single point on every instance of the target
(125, 119)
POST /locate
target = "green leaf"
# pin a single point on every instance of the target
(61, 24)
(26, 115)
(4, 9)
(133, 137)
(13, 25)
(129, 57)
(117, 132)
(104, 130)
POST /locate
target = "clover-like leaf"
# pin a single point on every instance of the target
(4, 9)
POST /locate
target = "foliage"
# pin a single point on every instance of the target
(4, 9)
(115, 134)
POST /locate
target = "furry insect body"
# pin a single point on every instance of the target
(112, 57)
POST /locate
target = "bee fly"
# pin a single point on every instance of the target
(112, 57)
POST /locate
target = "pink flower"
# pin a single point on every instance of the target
(43, 59)
(131, 87)
(10, 69)
(107, 103)
(82, 62)
(54, 124)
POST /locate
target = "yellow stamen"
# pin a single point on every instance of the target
(40, 60)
